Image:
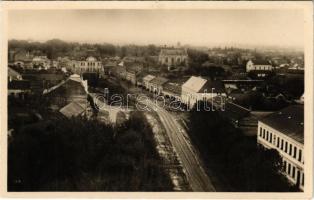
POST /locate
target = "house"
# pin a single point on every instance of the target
(90, 64)
(156, 85)
(197, 88)
(146, 81)
(23, 59)
(258, 65)
(172, 57)
(284, 131)
(132, 71)
(13, 74)
(41, 62)
(73, 109)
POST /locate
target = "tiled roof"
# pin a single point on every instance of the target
(289, 121)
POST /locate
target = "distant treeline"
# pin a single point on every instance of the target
(55, 48)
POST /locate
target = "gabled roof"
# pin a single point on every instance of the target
(289, 121)
(194, 83)
(73, 109)
(159, 80)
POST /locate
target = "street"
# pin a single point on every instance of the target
(191, 162)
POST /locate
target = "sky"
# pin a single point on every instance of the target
(193, 27)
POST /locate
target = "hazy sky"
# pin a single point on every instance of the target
(194, 27)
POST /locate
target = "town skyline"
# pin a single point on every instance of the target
(145, 27)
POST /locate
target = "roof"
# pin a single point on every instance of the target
(194, 83)
(73, 109)
(148, 78)
(213, 85)
(289, 121)
(174, 51)
(261, 62)
(91, 59)
(235, 112)
(172, 87)
(159, 80)
(13, 72)
(19, 85)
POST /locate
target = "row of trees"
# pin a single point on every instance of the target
(236, 158)
(55, 48)
(80, 155)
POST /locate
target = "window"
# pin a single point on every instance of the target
(260, 131)
(286, 147)
(284, 165)
(264, 133)
(302, 179)
(289, 166)
(300, 155)
(293, 171)
(278, 141)
(295, 152)
(271, 138)
(290, 149)
(281, 147)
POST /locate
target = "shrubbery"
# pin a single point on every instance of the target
(80, 155)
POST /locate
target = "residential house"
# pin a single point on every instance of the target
(146, 81)
(41, 62)
(132, 71)
(156, 85)
(284, 131)
(197, 88)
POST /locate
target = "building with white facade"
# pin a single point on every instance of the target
(258, 65)
(91, 64)
(197, 89)
(146, 81)
(41, 62)
(284, 131)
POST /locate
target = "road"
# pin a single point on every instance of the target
(191, 163)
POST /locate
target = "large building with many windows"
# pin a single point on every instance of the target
(284, 131)
(90, 64)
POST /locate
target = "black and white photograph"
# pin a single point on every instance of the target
(157, 99)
